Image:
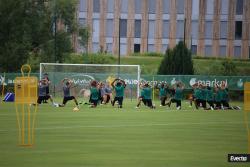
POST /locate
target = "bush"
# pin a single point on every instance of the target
(92, 58)
(148, 54)
(177, 61)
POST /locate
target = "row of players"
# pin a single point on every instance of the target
(102, 94)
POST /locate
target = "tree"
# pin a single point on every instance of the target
(177, 61)
(26, 31)
(229, 68)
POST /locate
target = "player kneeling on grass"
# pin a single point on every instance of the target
(177, 96)
(148, 95)
(94, 94)
(119, 86)
(67, 84)
(141, 97)
(43, 84)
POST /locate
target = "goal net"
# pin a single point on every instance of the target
(83, 74)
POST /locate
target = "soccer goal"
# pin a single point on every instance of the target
(83, 74)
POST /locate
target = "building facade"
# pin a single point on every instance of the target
(211, 28)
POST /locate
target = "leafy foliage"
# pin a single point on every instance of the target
(177, 61)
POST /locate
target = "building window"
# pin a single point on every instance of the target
(123, 48)
(224, 7)
(82, 6)
(223, 30)
(208, 50)
(137, 29)
(96, 29)
(151, 29)
(164, 48)
(210, 7)
(195, 30)
(137, 6)
(151, 7)
(194, 49)
(180, 6)
(195, 8)
(109, 28)
(180, 29)
(223, 51)
(238, 29)
(151, 48)
(123, 28)
(109, 47)
(209, 30)
(165, 29)
(96, 6)
(239, 7)
(110, 6)
(95, 47)
(166, 6)
(237, 51)
(137, 48)
(82, 22)
(124, 6)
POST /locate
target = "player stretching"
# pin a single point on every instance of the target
(148, 96)
(141, 97)
(43, 84)
(177, 96)
(67, 84)
(119, 86)
(94, 94)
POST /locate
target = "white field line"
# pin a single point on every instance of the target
(132, 125)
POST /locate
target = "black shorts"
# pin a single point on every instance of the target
(66, 99)
(94, 102)
(41, 98)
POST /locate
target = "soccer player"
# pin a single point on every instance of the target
(67, 84)
(163, 90)
(94, 94)
(147, 93)
(108, 93)
(177, 96)
(119, 86)
(210, 97)
(217, 97)
(46, 77)
(42, 92)
(141, 97)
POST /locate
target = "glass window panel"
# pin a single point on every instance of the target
(96, 6)
(165, 29)
(208, 29)
(166, 6)
(238, 30)
(223, 51)
(208, 50)
(195, 7)
(194, 30)
(82, 22)
(239, 7)
(95, 47)
(180, 29)
(96, 30)
(124, 6)
(82, 6)
(210, 7)
(237, 51)
(110, 6)
(151, 6)
(151, 29)
(151, 47)
(109, 28)
(223, 30)
(123, 28)
(137, 6)
(109, 47)
(224, 7)
(137, 29)
(180, 6)
(194, 49)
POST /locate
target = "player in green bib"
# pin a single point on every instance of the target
(141, 97)
(163, 90)
(148, 96)
(178, 95)
(94, 94)
(119, 87)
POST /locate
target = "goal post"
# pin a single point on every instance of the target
(83, 74)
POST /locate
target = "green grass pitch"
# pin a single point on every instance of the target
(127, 137)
